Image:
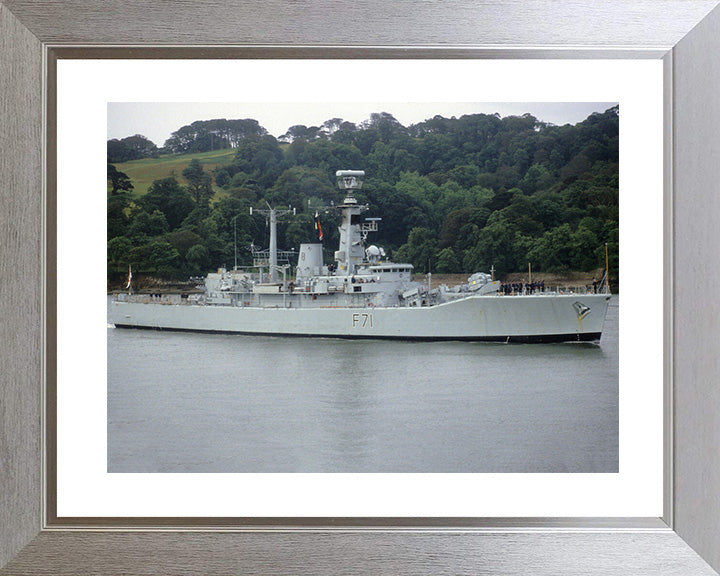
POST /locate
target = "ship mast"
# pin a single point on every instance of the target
(273, 214)
(350, 253)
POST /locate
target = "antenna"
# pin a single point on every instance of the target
(273, 216)
(350, 180)
(607, 270)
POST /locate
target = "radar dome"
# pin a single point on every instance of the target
(373, 253)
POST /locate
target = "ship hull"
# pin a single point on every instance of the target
(535, 318)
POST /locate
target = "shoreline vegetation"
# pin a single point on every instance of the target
(454, 195)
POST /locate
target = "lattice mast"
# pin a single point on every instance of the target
(273, 214)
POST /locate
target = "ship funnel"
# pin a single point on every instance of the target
(310, 260)
(350, 179)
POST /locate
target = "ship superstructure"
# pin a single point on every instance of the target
(362, 294)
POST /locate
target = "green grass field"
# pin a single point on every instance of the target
(144, 172)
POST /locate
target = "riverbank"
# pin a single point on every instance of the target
(145, 284)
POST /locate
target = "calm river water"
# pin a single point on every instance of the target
(182, 402)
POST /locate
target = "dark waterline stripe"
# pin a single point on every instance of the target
(530, 339)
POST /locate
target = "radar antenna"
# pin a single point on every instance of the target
(350, 180)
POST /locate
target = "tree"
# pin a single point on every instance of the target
(183, 241)
(345, 133)
(118, 250)
(222, 177)
(326, 155)
(388, 203)
(167, 196)
(522, 214)
(420, 250)
(386, 125)
(297, 184)
(229, 219)
(199, 183)
(198, 258)
(495, 247)
(118, 180)
(329, 127)
(119, 212)
(466, 176)
(299, 230)
(451, 226)
(259, 157)
(447, 262)
(117, 151)
(481, 189)
(552, 252)
(216, 134)
(163, 257)
(502, 199)
(302, 132)
(584, 243)
(536, 178)
(145, 226)
(467, 237)
(140, 147)
(423, 194)
(130, 148)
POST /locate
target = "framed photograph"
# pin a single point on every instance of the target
(62, 516)
(410, 426)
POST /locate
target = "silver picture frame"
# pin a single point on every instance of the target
(685, 34)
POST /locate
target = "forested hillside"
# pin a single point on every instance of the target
(456, 195)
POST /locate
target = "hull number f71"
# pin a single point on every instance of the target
(362, 320)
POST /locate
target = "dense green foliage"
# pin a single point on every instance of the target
(455, 194)
(130, 148)
(118, 180)
(207, 135)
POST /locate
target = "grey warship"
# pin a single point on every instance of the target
(363, 294)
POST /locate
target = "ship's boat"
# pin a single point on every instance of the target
(363, 294)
